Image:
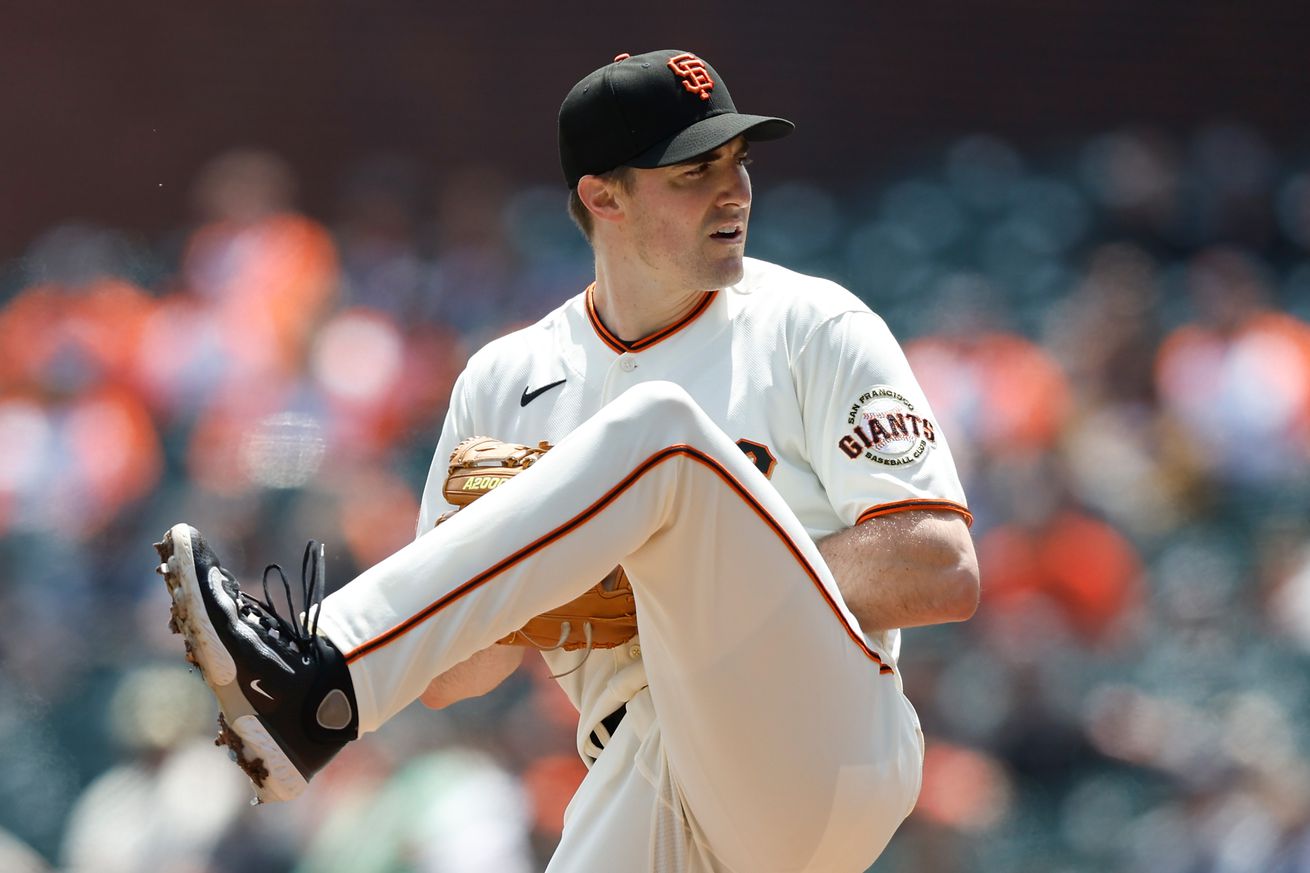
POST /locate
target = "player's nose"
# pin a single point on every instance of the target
(736, 190)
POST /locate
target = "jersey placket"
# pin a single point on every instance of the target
(622, 374)
(647, 360)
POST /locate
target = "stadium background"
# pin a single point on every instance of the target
(244, 251)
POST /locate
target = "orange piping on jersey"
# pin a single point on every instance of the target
(586, 515)
(607, 336)
(903, 505)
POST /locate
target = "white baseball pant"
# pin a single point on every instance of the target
(771, 737)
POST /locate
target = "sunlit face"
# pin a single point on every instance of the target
(687, 222)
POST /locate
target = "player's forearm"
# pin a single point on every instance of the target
(473, 677)
(905, 570)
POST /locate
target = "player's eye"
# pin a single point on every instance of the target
(744, 161)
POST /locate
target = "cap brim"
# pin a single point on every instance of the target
(708, 134)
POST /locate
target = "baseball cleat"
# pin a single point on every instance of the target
(286, 702)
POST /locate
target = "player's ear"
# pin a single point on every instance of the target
(601, 197)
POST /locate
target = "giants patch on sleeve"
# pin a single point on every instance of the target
(884, 427)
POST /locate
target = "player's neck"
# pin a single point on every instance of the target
(634, 307)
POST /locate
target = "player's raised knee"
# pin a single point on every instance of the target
(661, 394)
(661, 402)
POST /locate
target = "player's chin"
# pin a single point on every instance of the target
(725, 269)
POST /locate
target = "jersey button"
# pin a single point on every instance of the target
(634, 651)
(627, 364)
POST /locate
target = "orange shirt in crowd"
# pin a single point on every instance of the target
(994, 393)
(47, 329)
(1089, 572)
(69, 362)
(269, 281)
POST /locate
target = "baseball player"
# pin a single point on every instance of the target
(748, 444)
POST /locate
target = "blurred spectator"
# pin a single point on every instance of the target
(454, 810)
(1231, 175)
(267, 271)
(1137, 177)
(1105, 335)
(1066, 567)
(263, 276)
(1237, 377)
(143, 816)
(475, 276)
(383, 245)
(997, 394)
(77, 444)
(1285, 579)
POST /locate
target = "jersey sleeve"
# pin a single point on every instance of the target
(870, 435)
(458, 426)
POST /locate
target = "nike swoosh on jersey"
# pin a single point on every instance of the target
(529, 396)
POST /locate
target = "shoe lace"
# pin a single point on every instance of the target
(301, 629)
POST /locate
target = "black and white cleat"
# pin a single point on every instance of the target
(286, 701)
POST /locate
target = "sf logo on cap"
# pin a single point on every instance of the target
(695, 78)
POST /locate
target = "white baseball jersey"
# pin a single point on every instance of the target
(797, 370)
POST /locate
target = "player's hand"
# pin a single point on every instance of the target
(473, 677)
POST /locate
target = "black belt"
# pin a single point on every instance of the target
(611, 724)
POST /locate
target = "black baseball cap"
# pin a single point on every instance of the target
(651, 110)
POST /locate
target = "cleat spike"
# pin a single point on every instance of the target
(254, 767)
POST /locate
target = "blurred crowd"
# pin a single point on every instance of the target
(1113, 332)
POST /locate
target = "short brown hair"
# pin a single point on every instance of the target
(580, 214)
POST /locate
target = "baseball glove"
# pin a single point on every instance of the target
(602, 618)
(480, 464)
